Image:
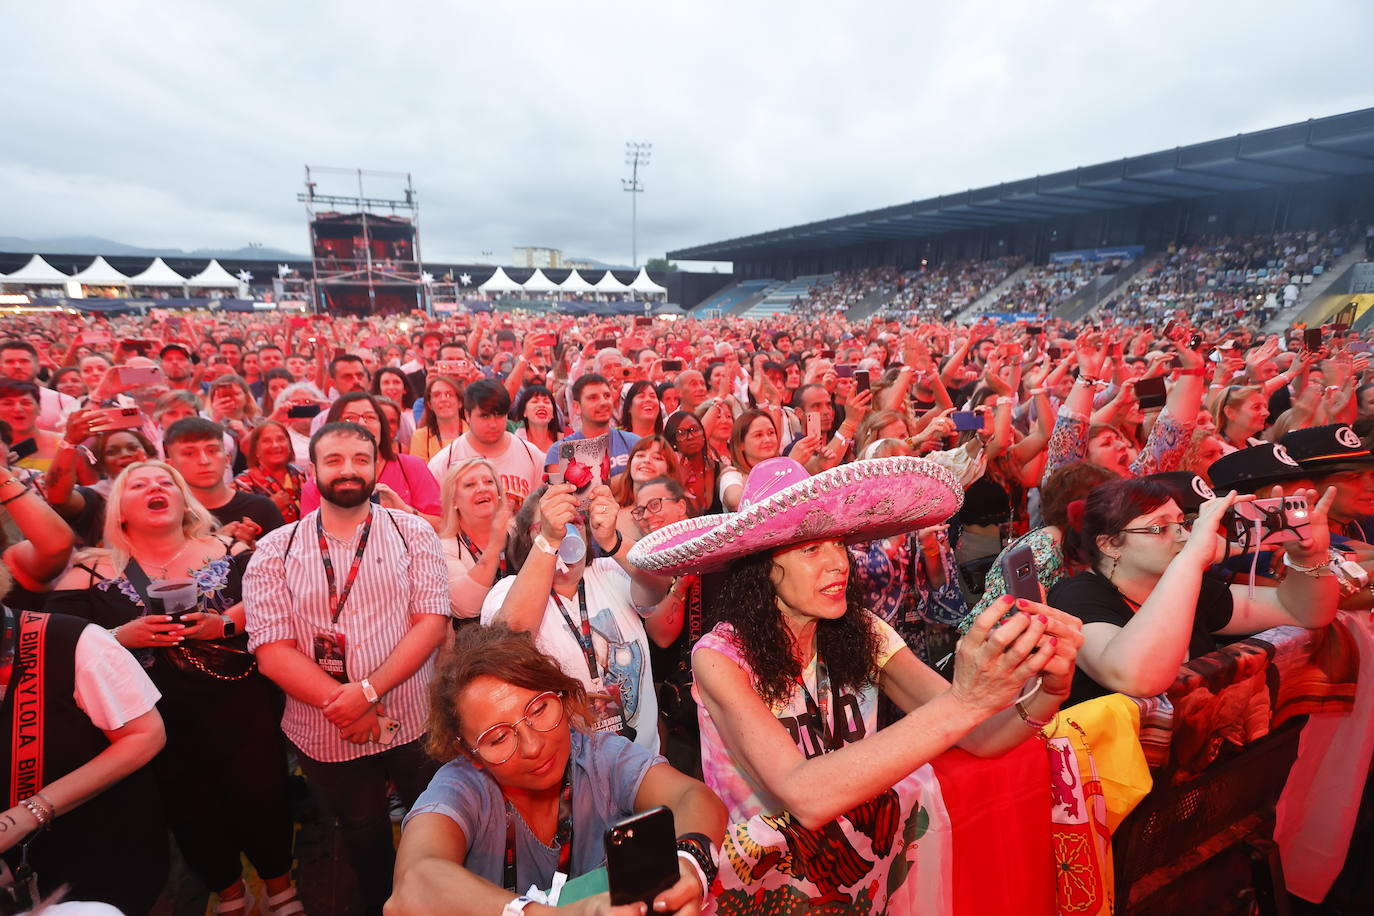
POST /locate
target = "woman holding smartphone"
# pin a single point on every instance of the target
(527, 790)
(787, 684)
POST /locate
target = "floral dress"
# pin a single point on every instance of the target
(1163, 450)
(897, 588)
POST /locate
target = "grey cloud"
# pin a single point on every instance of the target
(187, 124)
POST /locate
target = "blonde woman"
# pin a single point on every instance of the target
(476, 516)
(222, 776)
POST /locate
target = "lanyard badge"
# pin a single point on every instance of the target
(331, 645)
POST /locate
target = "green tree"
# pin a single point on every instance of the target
(661, 265)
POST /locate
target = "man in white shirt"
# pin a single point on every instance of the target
(346, 609)
(582, 614)
(19, 361)
(519, 464)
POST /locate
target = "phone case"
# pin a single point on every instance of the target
(641, 856)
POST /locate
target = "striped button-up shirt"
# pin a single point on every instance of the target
(286, 596)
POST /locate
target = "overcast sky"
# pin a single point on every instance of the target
(187, 124)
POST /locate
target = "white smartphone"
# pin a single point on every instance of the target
(390, 728)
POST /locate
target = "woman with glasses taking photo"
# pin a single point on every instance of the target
(527, 791)
(701, 465)
(1147, 605)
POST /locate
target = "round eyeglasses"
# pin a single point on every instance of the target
(498, 744)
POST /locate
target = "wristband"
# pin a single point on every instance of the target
(1036, 724)
(697, 848)
(515, 906)
(615, 548)
(369, 691)
(543, 544)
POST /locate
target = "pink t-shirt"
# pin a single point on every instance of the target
(857, 719)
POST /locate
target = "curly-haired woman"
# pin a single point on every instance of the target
(787, 682)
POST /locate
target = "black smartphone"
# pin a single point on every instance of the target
(672, 365)
(1034, 330)
(1150, 393)
(641, 856)
(303, 411)
(1312, 339)
(861, 380)
(1055, 352)
(643, 321)
(604, 343)
(23, 448)
(1019, 574)
(844, 370)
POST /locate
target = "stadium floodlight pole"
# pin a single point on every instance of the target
(636, 156)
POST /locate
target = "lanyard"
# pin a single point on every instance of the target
(829, 733)
(477, 554)
(562, 837)
(583, 635)
(337, 599)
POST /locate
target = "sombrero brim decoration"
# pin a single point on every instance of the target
(782, 505)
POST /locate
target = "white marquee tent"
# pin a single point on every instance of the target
(609, 284)
(575, 284)
(499, 283)
(642, 284)
(37, 271)
(538, 283)
(100, 273)
(158, 274)
(214, 276)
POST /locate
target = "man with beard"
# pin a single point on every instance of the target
(177, 368)
(346, 609)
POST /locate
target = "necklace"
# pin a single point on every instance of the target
(170, 560)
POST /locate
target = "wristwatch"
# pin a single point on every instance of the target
(369, 691)
(230, 628)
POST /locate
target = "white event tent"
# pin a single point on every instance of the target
(499, 283)
(37, 272)
(100, 273)
(538, 283)
(609, 284)
(214, 276)
(575, 284)
(158, 274)
(642, 284)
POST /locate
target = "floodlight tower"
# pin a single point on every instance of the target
(636, 156)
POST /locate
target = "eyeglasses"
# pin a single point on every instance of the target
(497, 744)
(689, 432)
(1174, 528)
(653, 507)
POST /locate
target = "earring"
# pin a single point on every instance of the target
(1111, 572)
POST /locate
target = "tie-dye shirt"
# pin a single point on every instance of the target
(857, 719)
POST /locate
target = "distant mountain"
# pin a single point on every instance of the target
(91, 244)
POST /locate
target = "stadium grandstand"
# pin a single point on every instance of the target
(1268, 224)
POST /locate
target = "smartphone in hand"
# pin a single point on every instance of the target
(641, 856)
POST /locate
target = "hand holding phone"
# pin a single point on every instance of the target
(641, 856)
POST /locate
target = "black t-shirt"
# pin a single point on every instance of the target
(257, 507)
(1092, 599)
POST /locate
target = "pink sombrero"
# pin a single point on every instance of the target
(783, 505)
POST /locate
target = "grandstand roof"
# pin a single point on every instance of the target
(1312, 150)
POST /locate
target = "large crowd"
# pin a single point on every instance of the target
(522, 576)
